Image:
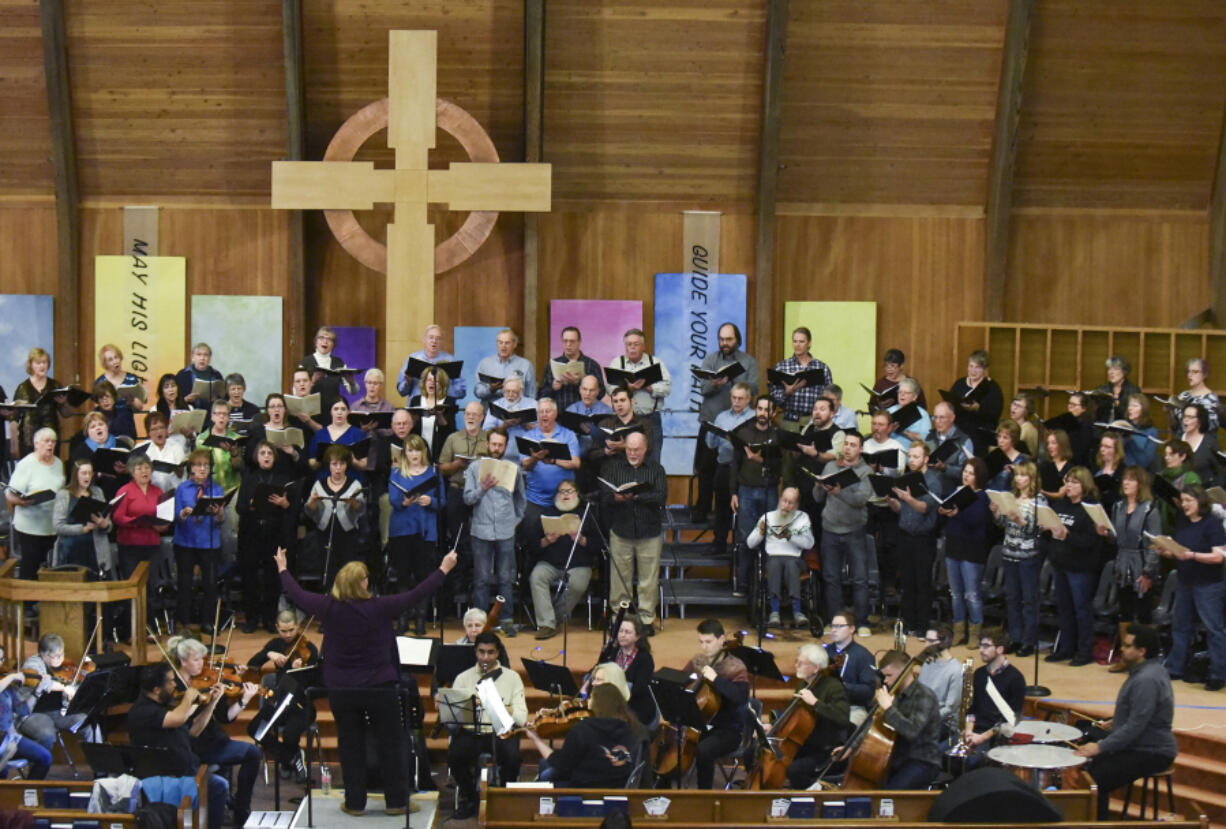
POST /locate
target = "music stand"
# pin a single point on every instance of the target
(759, 663)
(555, 679)
(125, 683)
(452, 660)
(418, 654)
(677, 704)
(459, 711)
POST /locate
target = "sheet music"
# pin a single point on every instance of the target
(500, 717)
(166, 510)
(413, 651)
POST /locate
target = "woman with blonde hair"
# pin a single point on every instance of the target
(1022, 561)
(415, 493)
(45, 414)
(358, 651)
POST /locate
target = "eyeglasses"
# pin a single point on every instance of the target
(932, 640)
(839, 625)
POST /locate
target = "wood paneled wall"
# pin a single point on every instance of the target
(25, 162)
(923, 272)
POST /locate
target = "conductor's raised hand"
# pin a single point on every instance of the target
(449, 562)
(279, 558)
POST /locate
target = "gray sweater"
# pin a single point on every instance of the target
(496, 512)
(848, 510)
(1144, 711)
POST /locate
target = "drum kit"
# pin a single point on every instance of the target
(1040, 747)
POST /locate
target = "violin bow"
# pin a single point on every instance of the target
(229, 637)
(216, 622)
(85, 653)
(166, 655)
(303, 633)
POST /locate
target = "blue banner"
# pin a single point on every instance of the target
(689, 309)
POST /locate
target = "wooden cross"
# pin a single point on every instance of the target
(410, 187)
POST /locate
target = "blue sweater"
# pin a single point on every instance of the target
(199, 532)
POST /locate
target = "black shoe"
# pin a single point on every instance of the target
(1057, 657)
(465, 811)
(299, 770)
(1215, 684)
(419, 627)
(1024, 651)
(649, 630)
(1078, 661)
(240, 818)
(285, 770)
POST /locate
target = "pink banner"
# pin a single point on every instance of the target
(602, 322)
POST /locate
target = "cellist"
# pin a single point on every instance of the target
(828, 701)
(730, 679)
(914, 713)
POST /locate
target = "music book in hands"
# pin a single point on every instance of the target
(560, 524)
(1067, 422)
(1048, 520)
(554, 449)
(575, 421)
(557, 369)
(813, 377)
(165, 512)
(844, 476)
(417, 366)
(40, 496)
(190, 419)
(521, 415)
(209, 389)
(75, 397)
(133, 392)
(628, 488)
(105, 458)
(913, 482)
(207, 502)
(491, 701)
(290, 436)
(945, 451)
(381, 420)
(265, 491)
(621, 432)
(880, 398)
(214, 441)
(1099, 516)
(503, 472)
(1216, 494)
(888, 458)
(425, 487)
(653, 373)
(86, 508)
(904, 417)
(307, 406)
(1165, 545)
(1005, 502)
(960, 498)
(730, 372)
(972, 395)
(359, 449)
(339, 372)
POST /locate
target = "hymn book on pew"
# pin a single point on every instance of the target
(86, 508)
(520, 415)
(560, 524)
(555, 450)
(205, 503)
(651, 374)
(417, 366)
(189, 419)
(502, 471)
(306, 406)
(729, 372)
(208, 389)
(291, 436)
(813, 377)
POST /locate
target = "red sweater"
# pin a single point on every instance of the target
(133, 506)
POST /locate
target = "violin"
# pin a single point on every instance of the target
(226, 675)
(553, 723)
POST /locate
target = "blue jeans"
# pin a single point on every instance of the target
(851, 547)
(247, 756)
(964, 578)
(1206, 602)
(39, 757)
(1075, 605)
(219, 793)
(1022, 600)
(752, 503)
(493, 563)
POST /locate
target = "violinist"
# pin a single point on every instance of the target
(466, 746)
(12, 744)
(914, 714)
(281, 653)
(210, 742)
(153, 720)
(859, 672)
(601, 750)
(41, 727)
(825, 695)
(730, 679)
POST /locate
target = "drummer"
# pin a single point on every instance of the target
(1141, 741)
(986, 722)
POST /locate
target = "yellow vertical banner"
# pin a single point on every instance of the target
(140, 306)
(844, 338)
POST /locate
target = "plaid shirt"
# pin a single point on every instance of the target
(800, 405)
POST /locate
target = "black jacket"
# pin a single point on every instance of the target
(599, 753)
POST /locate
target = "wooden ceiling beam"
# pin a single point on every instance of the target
(295, 149)
(768, 180)
(534, 141)
(998, 211)
(67, 190)
(1217, 234)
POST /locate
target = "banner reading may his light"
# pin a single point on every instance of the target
(689, 309)
(138, 306)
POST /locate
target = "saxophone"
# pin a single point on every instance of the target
(960, 748)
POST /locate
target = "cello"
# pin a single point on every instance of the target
(675, 747)
(788, 734)
(874, 740)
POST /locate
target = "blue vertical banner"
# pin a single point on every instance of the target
(472, 342)
(689, 309)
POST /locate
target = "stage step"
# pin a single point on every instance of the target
(693, 554)
(680, 593)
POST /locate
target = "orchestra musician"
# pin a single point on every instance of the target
(634, 657)
(730, 679)
(827, 698)
(359, 651)
(41, 726)
(984, 720)
(280, 654)
(466, 746)
(859, 670)
(601, 750)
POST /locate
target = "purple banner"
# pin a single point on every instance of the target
(602, 322)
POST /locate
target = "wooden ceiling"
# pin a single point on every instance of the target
(889, 102)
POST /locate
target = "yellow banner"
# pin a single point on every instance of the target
(140, 306)
(844, 338)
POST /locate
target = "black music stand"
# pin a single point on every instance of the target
(759, 663)
(557, 680)
(452, 660)
(678, 705)
(362, 693)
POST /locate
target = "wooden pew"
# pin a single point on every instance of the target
(502, 807)
(145, 761)
(16, 794)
